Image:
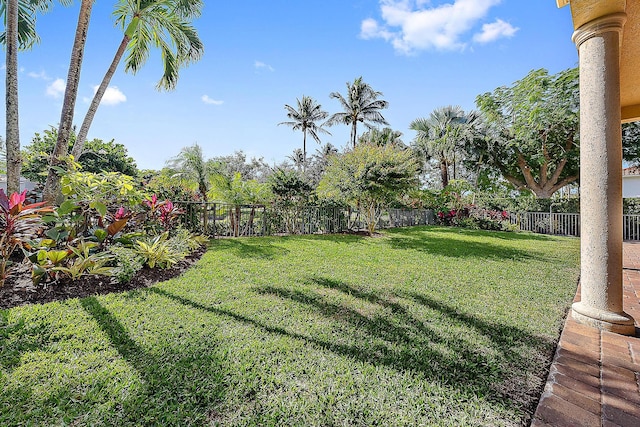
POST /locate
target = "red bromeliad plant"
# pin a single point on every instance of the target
(164, 213)
(19, 222)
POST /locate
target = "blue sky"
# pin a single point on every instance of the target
(260, 55)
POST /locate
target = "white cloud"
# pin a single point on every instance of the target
(207, 100)
(259, 65)
(413, 25)
(494, 31)
(41, 75)
(112, 96)
(56, 88)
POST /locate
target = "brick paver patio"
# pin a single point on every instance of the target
(595, 376)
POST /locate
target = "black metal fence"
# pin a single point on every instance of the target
(224, 220)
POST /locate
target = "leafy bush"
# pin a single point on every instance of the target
(157, 251)
(128, 263)
(73, 262)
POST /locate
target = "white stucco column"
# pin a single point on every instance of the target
(600, 306)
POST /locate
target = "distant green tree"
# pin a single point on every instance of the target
(166, 185)
(191, 164)
(100, 156)
(360, 105)
(291, 192)
(319, 162)
(386, 136)
(531, 132)
(290, 187)
(305, 118)
(631, 142)
(369, 177)
(442, 137)
(253, 168)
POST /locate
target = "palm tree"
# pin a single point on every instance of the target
(20, 33)
(165, 24)
(161, 23)
(440, 136)
(304, 118)
(190, 163)
(298, 159)
(360, 105)
(51, 188)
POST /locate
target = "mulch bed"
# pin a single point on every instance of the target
(18, 289)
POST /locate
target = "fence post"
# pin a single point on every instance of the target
(215, 214)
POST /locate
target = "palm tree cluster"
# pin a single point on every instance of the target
(442, 136)
(361, 104)
(162, 24)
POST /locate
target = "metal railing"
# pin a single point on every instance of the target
(568, 224)
(224, 220)
(560, 224)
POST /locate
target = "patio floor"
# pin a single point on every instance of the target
(595, 376)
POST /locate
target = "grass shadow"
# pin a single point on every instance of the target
(180, 386)
(500, 374)
(451, 245)
(249, 248)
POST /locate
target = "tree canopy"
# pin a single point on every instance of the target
(369, 177)
(442, 137)
(531, 131)
(305, 118)
(99, 156)
(360, 105)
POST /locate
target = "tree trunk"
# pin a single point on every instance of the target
(354, 131)
(95, 102)
(304, 150)
(12, 123)
(52, 185)
(444, 173)
(236, 231)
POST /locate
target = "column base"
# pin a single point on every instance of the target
(619, 323)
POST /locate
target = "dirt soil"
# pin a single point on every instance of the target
(18, 289)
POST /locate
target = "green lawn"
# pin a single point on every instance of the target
(422, 326)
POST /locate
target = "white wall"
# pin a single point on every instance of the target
(631, 186)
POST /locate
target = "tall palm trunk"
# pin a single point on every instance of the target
(444, 173)
(95, 102)
(354, 129)
(52, 185)
(304, 150)
(12, 123)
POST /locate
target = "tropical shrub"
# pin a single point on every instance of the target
(128, 262)
(19, 223)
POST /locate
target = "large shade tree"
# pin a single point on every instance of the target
(631, 142)
(305, 118)
(361, 104)
(163, 24)
(442, 136)
(531, 132)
